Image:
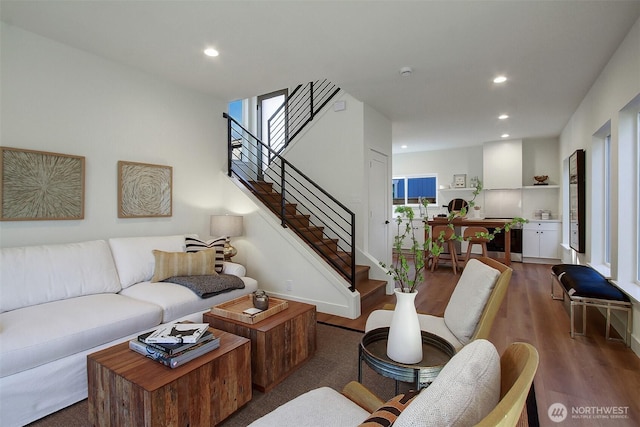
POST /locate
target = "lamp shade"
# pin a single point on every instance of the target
(226, 225)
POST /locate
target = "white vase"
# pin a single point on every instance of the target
(404, 344)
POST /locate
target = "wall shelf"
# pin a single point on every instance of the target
(540, 187)
(458, 189)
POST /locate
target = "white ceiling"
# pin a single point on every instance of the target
(552, 52)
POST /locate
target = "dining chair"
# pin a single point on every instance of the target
(445, 235)
(475, 236)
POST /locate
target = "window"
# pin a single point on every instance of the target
(607, 200)
(410, 190)
(235, 110)
(637, 198)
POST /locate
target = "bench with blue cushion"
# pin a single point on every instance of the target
(586, 287)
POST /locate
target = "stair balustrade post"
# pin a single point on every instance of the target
(311, 100)
(282, 191)
(229, 145)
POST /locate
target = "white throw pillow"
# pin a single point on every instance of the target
(465, 391)
(469, 298)
(134, 257)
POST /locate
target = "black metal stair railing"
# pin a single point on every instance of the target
(299, 108)
(302, 205)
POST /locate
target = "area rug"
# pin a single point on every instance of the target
(334, 364)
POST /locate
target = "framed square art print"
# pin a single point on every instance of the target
(144, 190)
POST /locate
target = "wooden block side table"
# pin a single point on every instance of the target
(128, 389)
(279, 343)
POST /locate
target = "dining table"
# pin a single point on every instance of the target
(477, 222)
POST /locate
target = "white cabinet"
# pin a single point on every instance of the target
(418, 229)
(541, 239)
(502, 164)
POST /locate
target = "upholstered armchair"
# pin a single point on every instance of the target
(476, 387)
(472, 308)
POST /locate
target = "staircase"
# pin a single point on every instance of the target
(370, 290)
(314, 215)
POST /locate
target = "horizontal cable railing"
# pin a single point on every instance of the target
(299, 108)
(302, 205)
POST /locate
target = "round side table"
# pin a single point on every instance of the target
(436, 352)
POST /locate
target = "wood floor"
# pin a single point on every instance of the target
(585, 374)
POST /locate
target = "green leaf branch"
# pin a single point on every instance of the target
(408, 276)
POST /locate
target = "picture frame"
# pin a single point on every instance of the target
(460, 180)
(577, 201)
(40, 185)
(144, 190)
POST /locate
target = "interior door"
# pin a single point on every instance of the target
(379, 207)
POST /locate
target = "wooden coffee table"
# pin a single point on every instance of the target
(128, 389)
(279, 343)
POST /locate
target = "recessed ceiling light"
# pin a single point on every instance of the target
(500, 79)
(211, 52)
(505, 135)
(405, 71)
(503, 116)
(403, 146)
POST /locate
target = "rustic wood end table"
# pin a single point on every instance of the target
(279, 344)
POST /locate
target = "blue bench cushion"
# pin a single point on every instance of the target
(586, 282)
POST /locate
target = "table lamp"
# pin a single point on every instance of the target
(227, 226)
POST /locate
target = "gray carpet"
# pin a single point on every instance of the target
(334, 365)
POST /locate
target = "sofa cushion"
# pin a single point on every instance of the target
(134, 258)
(469, 299)
(39, 334)
(465, 391)
(39, 274)
(195, 244)
(177, 301)
(168, 264)
(319, 407)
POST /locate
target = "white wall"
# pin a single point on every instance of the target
(334, 140)
(59, 99)
(615, 87)
(540, 157)
(444, 163)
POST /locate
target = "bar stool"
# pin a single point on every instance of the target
(470, 235)
(449, 240)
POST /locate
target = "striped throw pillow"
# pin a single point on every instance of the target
(386, 415)
(169, 264)
(195, 245)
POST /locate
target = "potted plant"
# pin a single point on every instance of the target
(405, 341)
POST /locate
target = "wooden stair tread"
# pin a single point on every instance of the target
(370, 290)
(367, 286)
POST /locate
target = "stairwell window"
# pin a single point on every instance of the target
(236, 111)
(411, 190)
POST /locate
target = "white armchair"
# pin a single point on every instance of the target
(472, 308)
(476, 387)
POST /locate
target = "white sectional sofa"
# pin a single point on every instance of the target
(59, 303)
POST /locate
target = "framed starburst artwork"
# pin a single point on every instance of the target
(38, 185)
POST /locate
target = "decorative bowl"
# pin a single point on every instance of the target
(541, 178)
